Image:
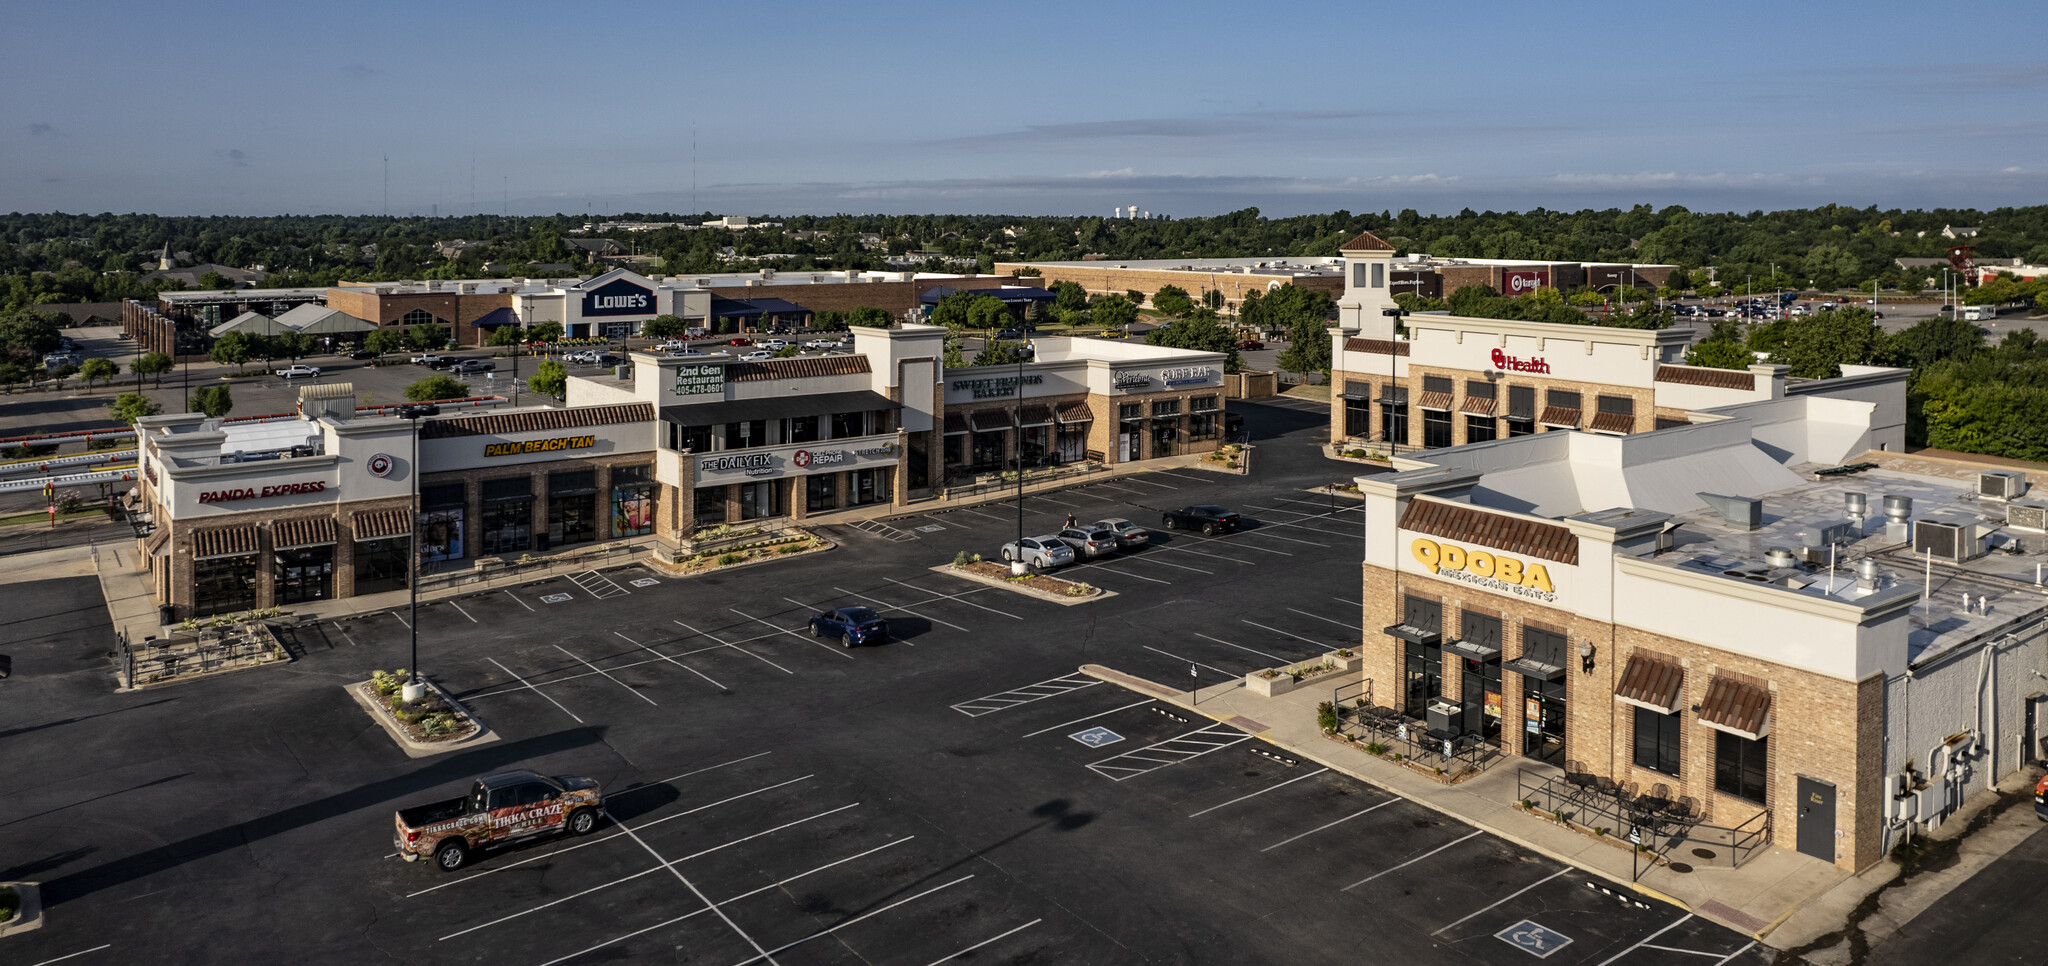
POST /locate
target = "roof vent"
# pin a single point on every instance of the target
(1869, 576)
(1780, 557)
(2002, 484)
(1898, 509)
(1740, 512)
(1856, 505)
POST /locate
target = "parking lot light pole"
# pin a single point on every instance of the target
(415, 688)
(1019, 566)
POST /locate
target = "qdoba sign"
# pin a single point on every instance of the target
(1493, 571)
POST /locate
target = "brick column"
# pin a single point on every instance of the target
(472, 519)
(732, 503)
(538, 486)
(604, 502)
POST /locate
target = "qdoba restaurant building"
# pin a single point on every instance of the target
(276, 511)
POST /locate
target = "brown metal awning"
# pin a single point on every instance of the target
(1651, 681)
(1479, 405)
(1439, 401)
(990, 420)
(376, 524)
(1037, 416)
(956, 424)
(1737, 705)
(224, 542)
(1559, 416)
(293, 534)
(1076, 412)
(153, 545)
(1622, 423)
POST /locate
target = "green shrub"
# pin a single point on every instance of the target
(727, 560)
(960, 559)
(790, 548)
(10, 903)
(1375, 748)
(1326, 717)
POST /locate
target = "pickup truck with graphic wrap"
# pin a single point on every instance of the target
(499, 810)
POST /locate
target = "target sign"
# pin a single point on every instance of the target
(380, 465)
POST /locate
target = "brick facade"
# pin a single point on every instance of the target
(1108, 279)
(450, 308)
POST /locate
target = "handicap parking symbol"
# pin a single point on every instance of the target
(1533, 939)
(1097, 737)
(556, 598)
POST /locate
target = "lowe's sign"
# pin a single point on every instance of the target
(618, 297)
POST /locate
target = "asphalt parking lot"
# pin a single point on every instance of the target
(956, 794)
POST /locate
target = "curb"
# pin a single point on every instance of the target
(1164, 693)
(29, 917)
(420, 749)
(1101, 593)
(662, 566)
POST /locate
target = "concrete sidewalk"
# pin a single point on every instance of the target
(1753, 899)
(884, 512)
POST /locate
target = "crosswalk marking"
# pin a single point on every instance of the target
(1002, 700)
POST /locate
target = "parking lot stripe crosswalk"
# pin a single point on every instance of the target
(597, 585)
(1172, 751)
(989, 704)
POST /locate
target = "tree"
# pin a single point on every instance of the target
(1824, 342)
(154, 365)
(1213, 299)
(1308, 349)
(998, 352)
(215, 280)
(214, 401)
(549, 331)
(951, 358)
(382, 341)
(505, 336)
(30, 333)
(294, 345)
(232, 349)
(131, 406)
(1933, 341)
(549, 379)
(98, 368)
(987, 312)
(951, 309)
(869, 317)
(665, 327)
(425, 337)
(1202, 331)
(1113, 311)
(1720, 354)
(1071, 295)
(437, 386)
(1173, 300)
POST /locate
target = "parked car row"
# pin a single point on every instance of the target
(1069, 544)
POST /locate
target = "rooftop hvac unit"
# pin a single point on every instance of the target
(1826, 534)
(1948, 541)
(2027, 516)
(2002, 485)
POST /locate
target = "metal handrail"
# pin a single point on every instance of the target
(1721, 845)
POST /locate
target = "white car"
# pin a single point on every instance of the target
(774, 345)
(584, 357)
(1044, 552)
(297, 372)
(756, 356)
(823, 344)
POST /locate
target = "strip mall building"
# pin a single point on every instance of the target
(272, 512)
(1697, 607)
(1451, 380)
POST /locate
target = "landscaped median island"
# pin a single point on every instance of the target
(20, 908)
(725, 547)
(1228, 457)
(429, 726)
(1045, 587)
(1275, 681)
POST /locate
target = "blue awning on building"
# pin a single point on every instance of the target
(496, 317)
(1008, 295)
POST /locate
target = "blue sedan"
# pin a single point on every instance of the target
(852, 625)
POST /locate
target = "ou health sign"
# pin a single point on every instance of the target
(618, 297)
(1523, 282)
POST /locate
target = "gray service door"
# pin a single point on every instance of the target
(1816, 819)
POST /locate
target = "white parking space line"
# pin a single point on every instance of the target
(1241, 647)
(671, 660)
(95, 949)
(1104, 565)
(1646, 939)
(1134, 704)
(1003, 700)
(735, 645)
(459, 610)
(557, 902)
(1134, 479)
(1282, 633)
(1113, 486)
(1503, 900)
(1177, 657)
(991, 939)
(699, 893)
(1180, 476)
(769, 954)
(960, 597)
(700, 771)
(1342, 600)
(1746, 947)
(1351, 627)
(889, 606)
(516, 597)
(985, 516)
(401, 620)
(1256, 794)
(1274, 536)
(1198, 553)
(1414, 860)
(801, 637)
(608, 677)
(1325, 825)
(1246, 546)
(1688, 952)
(564, 679)
(1172, 751)
(1148, 558)
(344, 633)
(535, 690)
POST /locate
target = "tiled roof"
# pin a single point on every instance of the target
(1376, 346)
(1712, 378)
(1736, 703)
(1613, 423)
(1479, 405)
(537, 420)
(1651, 680)
(373, 524)
(1434, 400)
(1365, 242)
(1559, 416)
(990, 420)
(1455, 521)
(1036, 416)
(309, 532)
(224, 541)
(801, 367)
(955, 423)
(1076, 412)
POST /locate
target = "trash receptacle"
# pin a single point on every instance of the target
(167, 614)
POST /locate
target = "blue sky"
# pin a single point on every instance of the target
(1042, 108)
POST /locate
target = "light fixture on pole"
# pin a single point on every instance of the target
(415, 688)
(1019, 566)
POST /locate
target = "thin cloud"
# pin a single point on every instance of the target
(41, 129)
(359, 71)
(1647, 179)
(235, 157)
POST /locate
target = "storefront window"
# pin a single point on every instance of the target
(760, 500)
(1165, 408)
(572, 508)
(303, 574)
(1425, 676)
(867, 486)
(956, 449)
(508, 515)
(1739, 765)
(381, 565)
(224, 585)
(821, 493)
(801, 429)
(1436, 428)
(1656, 740)
(1130, 436)
(1073, 445)
(1521, 427)
(1037, 442)
(1202, 426)
(1163, 436)
(1479, 429)
(693, 439)
(633, 491)
(710, 505)
(1521, 404)
(744, 434)
(442, 510)
(845, 425)
(1130, 411)
(1543, 720)
(988, 452)
(1394, 415)
(1357, 418)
